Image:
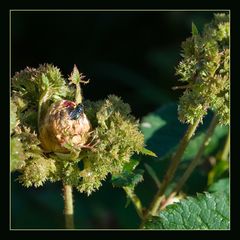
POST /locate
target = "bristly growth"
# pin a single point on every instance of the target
(114, 136)
(119, 137)
(33, 91)
(205, 68)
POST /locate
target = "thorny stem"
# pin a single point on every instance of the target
(154, 206)
(68, 206)
(135, 200)
(194, 162)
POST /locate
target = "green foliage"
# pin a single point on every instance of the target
(205, 69)
(153, 174)
(37, 171)
(206, 211)
(13, 116)
(35, 167)
(115, 136)
(35, 89)
(17, 155)
(194, 30)
(118, 136)
(128, 179)
(148, 152)
(162, 132)
(220, 185)
(220, 169)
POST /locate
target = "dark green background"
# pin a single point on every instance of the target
(130, 54)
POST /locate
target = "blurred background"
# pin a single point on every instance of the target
(129, 54)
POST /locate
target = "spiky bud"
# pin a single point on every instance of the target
(205, 69)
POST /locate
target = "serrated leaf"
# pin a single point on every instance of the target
(220, 185)
(148, 152)
(206, 211)
(194, 29)
(127, 179)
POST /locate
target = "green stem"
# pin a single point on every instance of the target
(43, 98)
(195, 161)
(153, 175)
(68, 206)
(135, 200)
(154, 206)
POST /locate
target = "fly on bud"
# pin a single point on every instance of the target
(64, 123)
(76, 112)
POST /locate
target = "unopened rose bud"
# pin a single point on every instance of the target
(64, 123)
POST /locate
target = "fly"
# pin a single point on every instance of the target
(76, 112)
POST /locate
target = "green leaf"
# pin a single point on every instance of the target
(127, 179)
(206, 211)
(220, 185)
(214, 144)
(131, 165)
(194, 29)
(217, 171)
(163, 131)
(146, 151)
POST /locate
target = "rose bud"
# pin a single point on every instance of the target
(64, 123)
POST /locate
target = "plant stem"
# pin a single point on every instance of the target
(135, 200)
(43, 98)
(172, 168)
(195, 161)
(153, 175)
(68, 206)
